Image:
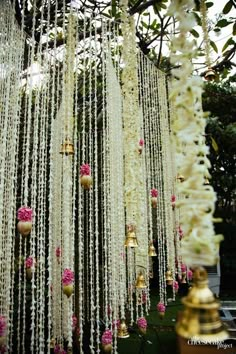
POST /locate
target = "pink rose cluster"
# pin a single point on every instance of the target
(29, 262)
(173, 198)
(58, 252)
(175, 286)
(107, 337)
(59, 350)
(68, 277)
(183, 268)
(85, 170)
(24, 214)
(141, 142)
(154, 193)
(189, 274)
(3, 326)
(74, 321)
(161, 307)
(142, 322)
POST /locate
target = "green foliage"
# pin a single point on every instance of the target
(220, 100)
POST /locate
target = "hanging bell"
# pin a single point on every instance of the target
(122, 330)
(206, 181)
(180, 178)
(52, 343)
(131, 240)
(67, 148)
(200, 319)
(152, 250)
(210, 75)
(140, 282)
(169, 278)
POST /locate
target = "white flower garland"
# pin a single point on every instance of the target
(200, 246)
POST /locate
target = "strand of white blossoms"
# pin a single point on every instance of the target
(200, 246)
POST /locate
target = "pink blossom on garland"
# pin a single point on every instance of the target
(154, 193)
(183, 268)
(29, 262)
(85, 170)
(189, 274)
(59, 350)
(173, 198)
(24, 214)
(180, 232)
(115, 324)
(142, 322)
(3, 326)
(74, 321)
(58, 252)
(175, 285)
(67, 277)
(107, 337)
(141, 142)
(161, 307)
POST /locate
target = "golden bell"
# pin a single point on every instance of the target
(140, 282)
(210, 75)
(206, 181)
(52, 343)
(152, 250)
(131, 240)
(67, 148)
(200, 319)
(169, 278)
(180, 178)
(122, 330)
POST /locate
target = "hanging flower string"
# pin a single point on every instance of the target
(24, 215)
(180, 232)
(141, 145)
(85, 176)
(154, 195)
(68, 282)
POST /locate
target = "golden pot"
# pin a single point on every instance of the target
(86, 181)
(24, 227)
(68, 290)
(29, 273)
(107, 348)
(154, 202)
(142, 330)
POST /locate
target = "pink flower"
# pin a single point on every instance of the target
(141, 142)
(67, 277)
(29, 262)
(59, 350)
(175, 285)
(85, 170)
(180, 232)
(189, 274)
(74, 322)
(142, 322)
(107, 337)
(154, 193)
(161, 307)
(58, 252)
(183, 268)
(24, 214)
(173, 198)
(144, 298)
(3, 326)
(115, 324)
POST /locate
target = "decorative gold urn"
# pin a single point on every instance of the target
(152, 250)
(200, 319)
(122, 330)
(140, 282)
(180, 178)
(169, 278)
(67, 148)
